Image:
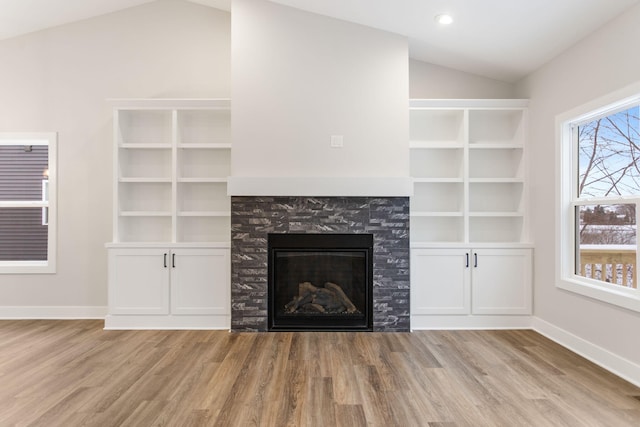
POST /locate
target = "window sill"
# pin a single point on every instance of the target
(27, 267)
(621, 298)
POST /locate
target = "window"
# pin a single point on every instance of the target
(599, 154)
(27, 202)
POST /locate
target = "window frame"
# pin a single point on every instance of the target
(51, 140)
(567, 168)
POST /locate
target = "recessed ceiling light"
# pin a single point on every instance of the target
(444, 19)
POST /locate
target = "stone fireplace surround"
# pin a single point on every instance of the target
(254, 217)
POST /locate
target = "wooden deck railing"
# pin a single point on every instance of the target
(608, 260)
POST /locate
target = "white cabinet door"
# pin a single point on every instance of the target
(501, 281)
(138, 281)
(200, 281)
(440, 280)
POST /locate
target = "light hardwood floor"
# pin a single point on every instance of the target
(72, 373)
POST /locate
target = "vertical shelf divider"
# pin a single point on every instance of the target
(174, 176)
(465, 177)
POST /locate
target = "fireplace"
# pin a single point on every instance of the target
(255, 218)
(320, 282)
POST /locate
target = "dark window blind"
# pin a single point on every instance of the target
(22, 235)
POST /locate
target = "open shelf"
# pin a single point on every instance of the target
(204, 229)
(437, 163)
(496, 163)
(144, 127)
(436, 126)
(496, 197)
(204, 127)
(144, 196)
(437, 229)
(438, 197)
(203, 163)
(141, 163)
(499, 229)
(496, 126)
(144, 229)
(203, 197)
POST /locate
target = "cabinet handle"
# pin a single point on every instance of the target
(467, 254)
(173, 260)
(475, 260)
(165, 260)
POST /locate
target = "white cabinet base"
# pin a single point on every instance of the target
(468, 288)
(170, 287)
(118, 322)
(435, 322)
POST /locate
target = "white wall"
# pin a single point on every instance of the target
(435, 82)
(58, 80)
(605, 61)
(299, 78)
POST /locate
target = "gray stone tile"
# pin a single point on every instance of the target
(386, 218)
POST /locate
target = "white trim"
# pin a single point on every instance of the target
(566, 164)
(584, 111)
(613, 363)
(610, 109)
(24, 204)
(52, 312)
(438, 322)
(26, 267)
(131, 322)
(51, 140)
(18, 139)
(169, 103)
(165, 245)
(320, 186)
(617, 365)
(477, 245)
(590, 288)
(498, 104)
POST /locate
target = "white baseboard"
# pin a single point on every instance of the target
(613, 363)
(434, 322)
(52, 312)
(129, 322)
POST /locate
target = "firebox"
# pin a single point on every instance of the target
(320, 282)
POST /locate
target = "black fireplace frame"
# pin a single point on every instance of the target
(361, 242)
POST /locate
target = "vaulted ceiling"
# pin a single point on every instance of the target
(500, 39)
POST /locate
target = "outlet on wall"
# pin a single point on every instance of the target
(337, 141)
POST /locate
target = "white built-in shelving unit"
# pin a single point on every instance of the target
(171, 165)
(468, 167)
(468, 164)
(173, 160)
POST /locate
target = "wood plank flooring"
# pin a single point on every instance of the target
(72, 373)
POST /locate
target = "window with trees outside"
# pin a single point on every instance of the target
(27, 202)
(600, 193)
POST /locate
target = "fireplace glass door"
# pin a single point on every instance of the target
(320, 281)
